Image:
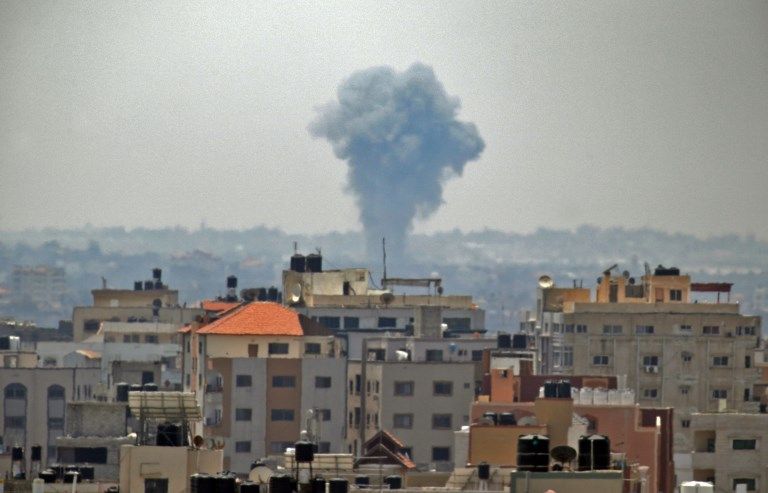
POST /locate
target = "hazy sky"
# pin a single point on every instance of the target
(172, 113)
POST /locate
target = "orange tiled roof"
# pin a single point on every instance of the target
(187, 328)
(218, 306)
(256, 318)
(89, 354)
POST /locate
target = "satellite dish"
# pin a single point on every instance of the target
(387, 298)
(546, 282)
(632, 281)
(625, 274)
(599, 280)
(401, 355)
(296, 293)
(260, 474)
(198, 441)
(563, 453)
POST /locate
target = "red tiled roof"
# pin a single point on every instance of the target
(218, 306)
(256, 318)
(185, 329)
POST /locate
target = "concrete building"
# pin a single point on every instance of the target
(672, 349)
(154, 469)
(33, 409)
(262, 374)
(728, 449)
(42, 285)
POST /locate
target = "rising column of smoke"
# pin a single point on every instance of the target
(399, 135)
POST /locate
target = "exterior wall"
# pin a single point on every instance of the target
(176, 464)
(333, 399)
(572, 482)
(283, 399)
(254, 398)
(368, 314)
(132, 298)
(497, 445)
(80, 314)
(96, 419)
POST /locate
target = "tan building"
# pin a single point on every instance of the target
(150, 468)
(672, 350)
(728, 449)
(263, 374)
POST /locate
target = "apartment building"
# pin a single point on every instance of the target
(263, 374)
(728, 449)
(673, 349)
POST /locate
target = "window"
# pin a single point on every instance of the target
(15, 391)
(56, 423)
(747, 395)
(686, 356)
(243, 414)
(747, 331)
(747, 361)
(91, 325)
(477, 355)
(55, 392)
(323, 447)
(330, 322)
(686, 329)
(282, 415)
(351, 322)
(684, 390)
(253, 350)
(750, 482)
(404, 388)
(279, 447)
(441, 454)
(387, 322)
(243, 381)
(720, 361)
(325, 414)
(650, 393)
(600, 360)
(150, 339)
(458, 323)
(650, 361)
(612, 329)
(581, 329)
(710, 330)
(155, 485)
(403, 421)
(442, 388)
(441, 422)
(242, 447)
(322, 382)
(284, 381)
(744, 444)
(17, 422)
(685, 423)
(675, 295)
(93, 455)
(434, 355)
(644, 329)
(312, 348)
(569, 328)
(278, 348)
(719, 394)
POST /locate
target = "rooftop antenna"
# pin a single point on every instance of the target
(384, 252)
(295, 247)
(103, 282)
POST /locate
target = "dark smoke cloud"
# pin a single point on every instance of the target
(399, 135)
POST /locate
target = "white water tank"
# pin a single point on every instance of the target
(627, 397)
(585, 396)
(614, 397)
(600, 397)
(696, 487)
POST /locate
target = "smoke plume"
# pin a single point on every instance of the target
(399, 135)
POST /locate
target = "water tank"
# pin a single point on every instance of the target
(249, 487)
(484, 471)
(564, 389)
(394, 482)
(149, 387)
(58, 470)
(158, 285)
(503, 341)
(594, 453)
(149, 285)
(550, 390)
(305, 451)
(136, 387)
(314, 262)
(261, 294)
(696, 487)
(168, 435)
(272, 293)
(317, 485)
(137, 286)
(586, 395)
(5, 343)
(614, 397)
(225, 483)
(362, 481)
(87, 473)
(533, 453)
(17, 453)
(627, 396)
(202, 483)
(231, 282)
(519, 341)
(599, 397)
(507, 419)
(337, 485)
(492, 416)
(280, 483)
(48, 476)
(121, 392)
(157, 274)
(37, 453)
(71, 476)
(298, 263)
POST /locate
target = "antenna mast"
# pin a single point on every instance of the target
(384, 252)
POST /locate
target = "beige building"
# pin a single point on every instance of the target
(670, 349)
(728, 449)
(263, 374)
(150, 468)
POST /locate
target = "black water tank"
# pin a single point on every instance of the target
(492, 416)
(149, 285)
(594, 453)
(137, 286)
(317, 485)
(69, 477)
(261, 294)
(337, 485)
(48, 476)
(121, 392)
(362, 481)
(394, 482)
(484, 471)
(5, 343)
(37, 453)
(550, 390)
(564, 389)
(17, 453)
(231, 281)
(202, 483)
(280, 483)
(519, 341)
(507, 419)
(87, 473)
(533, 453)
(249, 487)
(298, 263)
(58, 469)
(314, 262)
(503, 341)
(158, 285)
(305, 451)
(225, 483)
(149, 387)
(136, 387)
(272, 293)
(157, 273)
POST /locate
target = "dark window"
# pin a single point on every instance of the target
(720, 361)
(477, 355)
(644, 329)
(675, 295)
(322, 382)
(147, 377)
(581, 329)
(325, 414)
(612, 329)
(441, 454)
(404, 388)
(16, 422)
(312, 348)
(600, 360)
(744, 444)
(283, 381)
(711, 330)
(91, 325)
(404, 421)
(93, 455)
(55, 423)
(278, 348)
(242, 447)
(15, 391)
(459, 324)
(351, 323)
(441, 422)
(55, 392)
(150, 339)
(330, 322)
(253, 350)
(434, 355)
(747, 362)
(243, 381)
(243, 414)
(387, 322)
(155, 485)
(685, 423)
(282, 415)
(442, 388)
(650, 361)
(719, 394)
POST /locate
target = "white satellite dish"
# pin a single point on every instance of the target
(260, 474)
(296, 293)
(546, 282)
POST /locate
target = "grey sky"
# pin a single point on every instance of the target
(172, 113)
